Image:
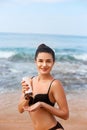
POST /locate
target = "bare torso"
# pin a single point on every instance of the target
(44, 121)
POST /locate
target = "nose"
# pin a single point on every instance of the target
(44, 63)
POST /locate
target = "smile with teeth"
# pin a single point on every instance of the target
(44, 69)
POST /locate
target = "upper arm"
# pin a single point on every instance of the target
(59, 95)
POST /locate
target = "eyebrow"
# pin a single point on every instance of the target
(45, 59)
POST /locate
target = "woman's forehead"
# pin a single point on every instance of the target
(44, 54)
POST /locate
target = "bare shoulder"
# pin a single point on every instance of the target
(57, 84)
(58, 92)
(57, 87)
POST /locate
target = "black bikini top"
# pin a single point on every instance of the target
(42, 97)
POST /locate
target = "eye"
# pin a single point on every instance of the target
(40, 60)
(48, 61)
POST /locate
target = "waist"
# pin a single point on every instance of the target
(42, 119)
(44, 125)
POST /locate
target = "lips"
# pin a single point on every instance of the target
(44, 69)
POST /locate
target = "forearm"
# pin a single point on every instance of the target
(22, 103)
(61, 113)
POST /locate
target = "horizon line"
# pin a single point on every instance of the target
(77, 35)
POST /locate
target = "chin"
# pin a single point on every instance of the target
(44, 73)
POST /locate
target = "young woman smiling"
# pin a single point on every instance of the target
(46, 92)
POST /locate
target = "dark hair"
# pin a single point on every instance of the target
(44, 48)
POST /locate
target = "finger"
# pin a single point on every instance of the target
(26, 108)
(24, 83)
(23, 90)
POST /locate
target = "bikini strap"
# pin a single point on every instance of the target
(50, 85)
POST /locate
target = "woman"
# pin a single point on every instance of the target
(46, 92)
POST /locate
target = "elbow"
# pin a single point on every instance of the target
(66, 115)
(21, 110)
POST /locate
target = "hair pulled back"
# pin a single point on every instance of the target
(44, 48)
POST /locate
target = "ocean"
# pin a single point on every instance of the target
(17, 60)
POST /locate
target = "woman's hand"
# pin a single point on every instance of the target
(25, 86)
(33, 107)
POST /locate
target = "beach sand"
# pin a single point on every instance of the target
(11, 119)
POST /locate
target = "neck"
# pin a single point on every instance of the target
(44, 77)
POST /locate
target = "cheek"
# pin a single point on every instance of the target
(51, 64)
(38, 64)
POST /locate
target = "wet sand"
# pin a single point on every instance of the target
(11, 119)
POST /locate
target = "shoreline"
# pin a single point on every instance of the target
(11, 119)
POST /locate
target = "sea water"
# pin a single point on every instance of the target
(17, 59)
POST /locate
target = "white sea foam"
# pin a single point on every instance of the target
(81, 57)
(67, 67)
(14, 70)
(6, 54)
